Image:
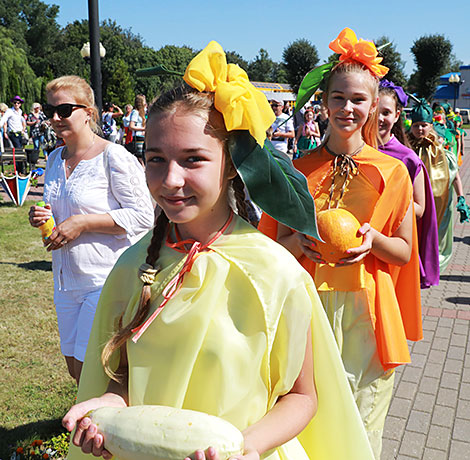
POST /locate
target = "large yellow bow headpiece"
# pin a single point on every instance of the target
(351, 49)
(242, 105)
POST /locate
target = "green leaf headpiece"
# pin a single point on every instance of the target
(269, 175)
(422, 112)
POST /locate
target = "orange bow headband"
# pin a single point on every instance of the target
(351, 49)
(242, 105)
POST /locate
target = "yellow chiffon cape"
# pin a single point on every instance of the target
(230, 343)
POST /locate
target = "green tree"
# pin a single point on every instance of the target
(120, 88)
(16, 76)
(280, 73)
(234, 58)
(10, 19)
(299, 57)
(33, 27)
(392, 59)
(262, 67)
(432, 58)
(42, 34)
(454, 64)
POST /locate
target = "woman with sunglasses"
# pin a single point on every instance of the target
(97, 194)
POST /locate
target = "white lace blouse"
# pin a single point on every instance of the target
(114, 183)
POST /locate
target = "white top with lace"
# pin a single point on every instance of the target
(114, 183)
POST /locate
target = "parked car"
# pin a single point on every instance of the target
(465, 114)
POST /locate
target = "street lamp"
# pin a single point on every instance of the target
(455, 81)
(95, 52)
(85, 51)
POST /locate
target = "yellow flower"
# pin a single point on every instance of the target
(242, 105)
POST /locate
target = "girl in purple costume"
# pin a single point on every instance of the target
(392, 100)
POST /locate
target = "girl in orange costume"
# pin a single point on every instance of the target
(371, 297)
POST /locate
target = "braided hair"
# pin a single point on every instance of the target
(186, 99)
(124, 333)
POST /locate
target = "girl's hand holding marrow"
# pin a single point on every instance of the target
(360, 252)
(86, 435)
(211, 454)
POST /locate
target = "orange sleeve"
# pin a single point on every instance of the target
(268, 226)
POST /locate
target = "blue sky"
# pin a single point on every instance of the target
(246, 26)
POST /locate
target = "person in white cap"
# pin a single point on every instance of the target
(282, 129)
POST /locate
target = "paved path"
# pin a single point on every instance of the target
(429, 417)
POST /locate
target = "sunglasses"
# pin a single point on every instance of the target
(63, 110)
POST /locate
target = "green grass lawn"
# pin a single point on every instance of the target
(35, 388)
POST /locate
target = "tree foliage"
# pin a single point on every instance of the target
(234, 58)
(299, 57)
(262, 67)
(454, 64)
(16, 76)
(392, 59)
(432, 57)
(34, 49)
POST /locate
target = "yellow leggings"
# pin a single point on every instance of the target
(348, 314)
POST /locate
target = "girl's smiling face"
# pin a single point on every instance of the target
(349, 102)
(388, 116)
(186, 172)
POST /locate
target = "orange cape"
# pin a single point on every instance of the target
(380, 194)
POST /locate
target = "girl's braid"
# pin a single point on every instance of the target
(124, 333)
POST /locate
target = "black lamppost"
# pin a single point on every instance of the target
(455, 82)
(94, 52)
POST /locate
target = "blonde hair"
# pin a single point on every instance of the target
(186, 100)
(81, 92)
(370, 130)
(140, 102)
(3, 107)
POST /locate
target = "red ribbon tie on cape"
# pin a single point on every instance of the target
(172, 288)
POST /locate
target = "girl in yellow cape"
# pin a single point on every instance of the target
(219, 318)
(371, 295)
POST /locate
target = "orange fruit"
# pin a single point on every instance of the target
(338, 229)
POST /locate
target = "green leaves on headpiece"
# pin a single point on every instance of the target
(421, 112)
(157, 70)
(316, 76)
(273, 183)
(440, 130)
(311, 83)
(446, 106)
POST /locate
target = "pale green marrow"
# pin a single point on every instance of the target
(164, 433)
